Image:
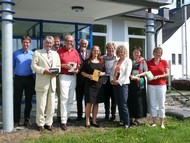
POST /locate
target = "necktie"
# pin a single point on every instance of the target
(49, 58)
(83, 55)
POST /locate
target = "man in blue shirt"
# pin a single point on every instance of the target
(23, 81)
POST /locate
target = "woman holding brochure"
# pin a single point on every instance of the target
(137, 101)
(156, 88)
(93, 70)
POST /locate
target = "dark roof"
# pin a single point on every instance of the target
(176, 15)
(141, 14)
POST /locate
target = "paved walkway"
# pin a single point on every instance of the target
(170, 110)
(73, 115)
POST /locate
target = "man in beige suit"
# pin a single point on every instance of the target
(44, 63)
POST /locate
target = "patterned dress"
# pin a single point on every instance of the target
(137, 101)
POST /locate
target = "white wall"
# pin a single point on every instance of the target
(175, 45)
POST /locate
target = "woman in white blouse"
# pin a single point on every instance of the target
(119, 77)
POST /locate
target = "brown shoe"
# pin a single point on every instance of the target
(49, 128)
(16, 125)
(63, 127)
(40, 128)
(27, 123)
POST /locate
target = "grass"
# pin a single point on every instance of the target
(177, 131)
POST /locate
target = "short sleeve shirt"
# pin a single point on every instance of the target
(68, 56)
(158, 69)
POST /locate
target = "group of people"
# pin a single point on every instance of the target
(113, 78)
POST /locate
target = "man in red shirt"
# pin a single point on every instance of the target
(70, 62)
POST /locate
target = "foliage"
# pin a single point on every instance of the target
(181, 84)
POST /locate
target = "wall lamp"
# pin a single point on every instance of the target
(77, 8)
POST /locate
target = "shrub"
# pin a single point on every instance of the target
(181, 84)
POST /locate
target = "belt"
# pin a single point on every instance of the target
(67, 73)
(23, 75)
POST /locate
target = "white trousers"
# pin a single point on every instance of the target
(157, 98)
(67, 93)
(45, 106)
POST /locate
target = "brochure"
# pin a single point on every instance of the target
(96, 74)
(149, 75)
(74, 65)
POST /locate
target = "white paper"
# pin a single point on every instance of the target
(74, 65)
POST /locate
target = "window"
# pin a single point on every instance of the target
(136, 31)
(173, 59)
(99, 28)
(179, 59)
(136, 38)
(100, 36)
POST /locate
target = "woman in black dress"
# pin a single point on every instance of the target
(137, 101)
(92, 85)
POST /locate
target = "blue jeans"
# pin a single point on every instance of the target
(121, 96)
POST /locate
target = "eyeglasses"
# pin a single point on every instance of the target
(69, 40)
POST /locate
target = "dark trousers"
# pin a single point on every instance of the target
(109, 94)
(80, 97)
(121, 94)
(23, 84)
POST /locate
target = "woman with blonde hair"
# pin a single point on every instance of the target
(119, 78)
(156, 88)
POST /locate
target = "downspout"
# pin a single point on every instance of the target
(156, 34)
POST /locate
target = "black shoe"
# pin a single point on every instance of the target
(95, 125)
(49, 128)
(63, 127)
(121, 123)
(79, 119)
(69, 120)
(16, 125)
(112, 118)
(107, 117)
(40, 128)
(58, 119)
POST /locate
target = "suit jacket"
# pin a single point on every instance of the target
(39, 64)
(125, 71)
(80, 78)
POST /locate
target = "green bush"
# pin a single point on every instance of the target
(181, 84)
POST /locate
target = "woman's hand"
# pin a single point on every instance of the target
(134, 77)
(90, 76)
(101, 74)
(157, 77)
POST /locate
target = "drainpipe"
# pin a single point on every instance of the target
(156, 34)
(7, 64)
(150, 30)
(185, 41)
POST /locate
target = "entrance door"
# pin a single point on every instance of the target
(100, 41)
(136, 42)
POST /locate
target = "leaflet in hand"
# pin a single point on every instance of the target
(149, 75)
(74, 65)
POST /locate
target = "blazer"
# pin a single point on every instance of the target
(80, 78)
(125, 71)
(39, 64)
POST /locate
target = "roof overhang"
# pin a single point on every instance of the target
(61, 10)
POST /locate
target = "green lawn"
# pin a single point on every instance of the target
(177, 131)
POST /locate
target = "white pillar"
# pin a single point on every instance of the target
(150, 30)
(7, 66)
